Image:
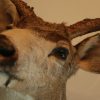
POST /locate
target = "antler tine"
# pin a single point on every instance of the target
(83, 27)
(23, 8)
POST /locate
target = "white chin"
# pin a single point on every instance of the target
(3, 79)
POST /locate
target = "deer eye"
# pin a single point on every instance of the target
(60, 52)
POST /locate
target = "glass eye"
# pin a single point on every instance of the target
(60, 52)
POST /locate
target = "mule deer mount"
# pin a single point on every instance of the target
(38, 56)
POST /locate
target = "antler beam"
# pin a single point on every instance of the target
(83, 27)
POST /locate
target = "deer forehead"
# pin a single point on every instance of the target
(25, 38)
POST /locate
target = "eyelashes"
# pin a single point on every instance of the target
(59, 52)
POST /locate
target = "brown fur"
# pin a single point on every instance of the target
(37, 70)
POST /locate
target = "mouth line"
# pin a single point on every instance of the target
(10, 78)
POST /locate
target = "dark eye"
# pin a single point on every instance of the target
(60, 52)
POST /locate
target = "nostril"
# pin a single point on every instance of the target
(6, 52)
(6, 47)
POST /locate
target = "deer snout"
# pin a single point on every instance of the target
(8, 53)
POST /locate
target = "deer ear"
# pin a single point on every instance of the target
(8, 13)
(89, 54)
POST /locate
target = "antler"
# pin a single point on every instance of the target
(83, 27)
(29, 18)
(23, 8)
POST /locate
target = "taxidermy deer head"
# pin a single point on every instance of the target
(38, 57)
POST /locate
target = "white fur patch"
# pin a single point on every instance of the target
(3, 79)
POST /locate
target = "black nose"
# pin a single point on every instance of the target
(7, 51)
(6, 47)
